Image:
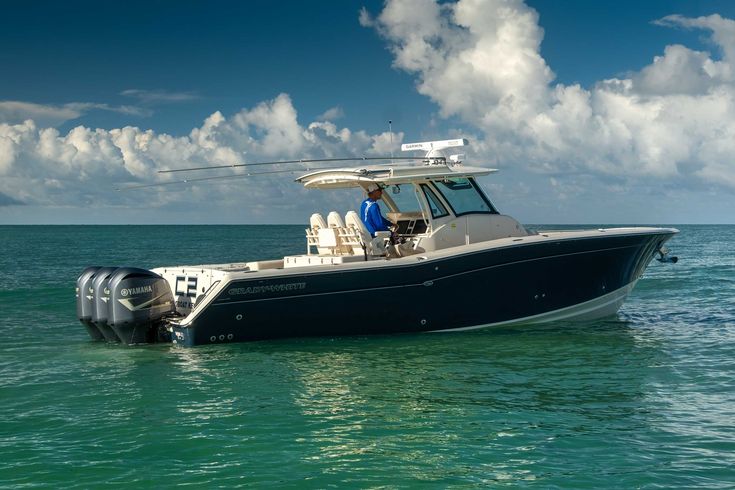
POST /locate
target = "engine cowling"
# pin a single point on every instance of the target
(85, 303)
(139, 299)
(100, 310)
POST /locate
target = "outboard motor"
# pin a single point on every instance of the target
(85, 297)
(139, 299)
(100, 311)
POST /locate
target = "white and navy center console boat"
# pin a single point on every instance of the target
(453, 262)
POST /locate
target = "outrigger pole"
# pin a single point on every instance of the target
(429, 146)
(248, 174)
(312, 160)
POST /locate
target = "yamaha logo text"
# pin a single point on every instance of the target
(142, 289)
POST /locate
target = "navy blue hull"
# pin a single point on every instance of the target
(461, 291)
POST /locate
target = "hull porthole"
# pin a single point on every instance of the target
(213, 339)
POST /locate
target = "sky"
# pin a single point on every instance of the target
(593, 112)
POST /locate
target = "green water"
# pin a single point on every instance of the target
(643, 400)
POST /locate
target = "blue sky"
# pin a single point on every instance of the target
(564, 97)
(226, 55)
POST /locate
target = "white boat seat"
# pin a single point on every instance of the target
(356, 235)
(316, 223)
(334, 220)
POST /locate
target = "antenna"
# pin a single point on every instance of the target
(434, 150)
(434, 145)
(390, 130)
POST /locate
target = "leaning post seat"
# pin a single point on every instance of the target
(316, 223)
(334, 220)
(357, 236)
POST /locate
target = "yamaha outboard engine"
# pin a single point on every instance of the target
(100, 311)
(85, 297)
(139, 299)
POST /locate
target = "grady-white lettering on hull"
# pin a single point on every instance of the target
(275, 288)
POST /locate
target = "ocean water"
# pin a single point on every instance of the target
(642, 400)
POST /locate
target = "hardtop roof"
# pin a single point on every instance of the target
(387, 174)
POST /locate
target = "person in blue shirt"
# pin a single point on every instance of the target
(370, 211)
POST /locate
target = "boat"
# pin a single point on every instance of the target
(452, 262)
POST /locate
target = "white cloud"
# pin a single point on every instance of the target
(471, 56)
(42, 167)
(480, 61)
(723, 31)
(159, 96)
(331, 114)
(679, 71)
(15, 112)
(12, 111)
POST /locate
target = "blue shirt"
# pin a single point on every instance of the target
(370, 215)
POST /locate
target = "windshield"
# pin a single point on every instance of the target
(437, 208)
(463, 196)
